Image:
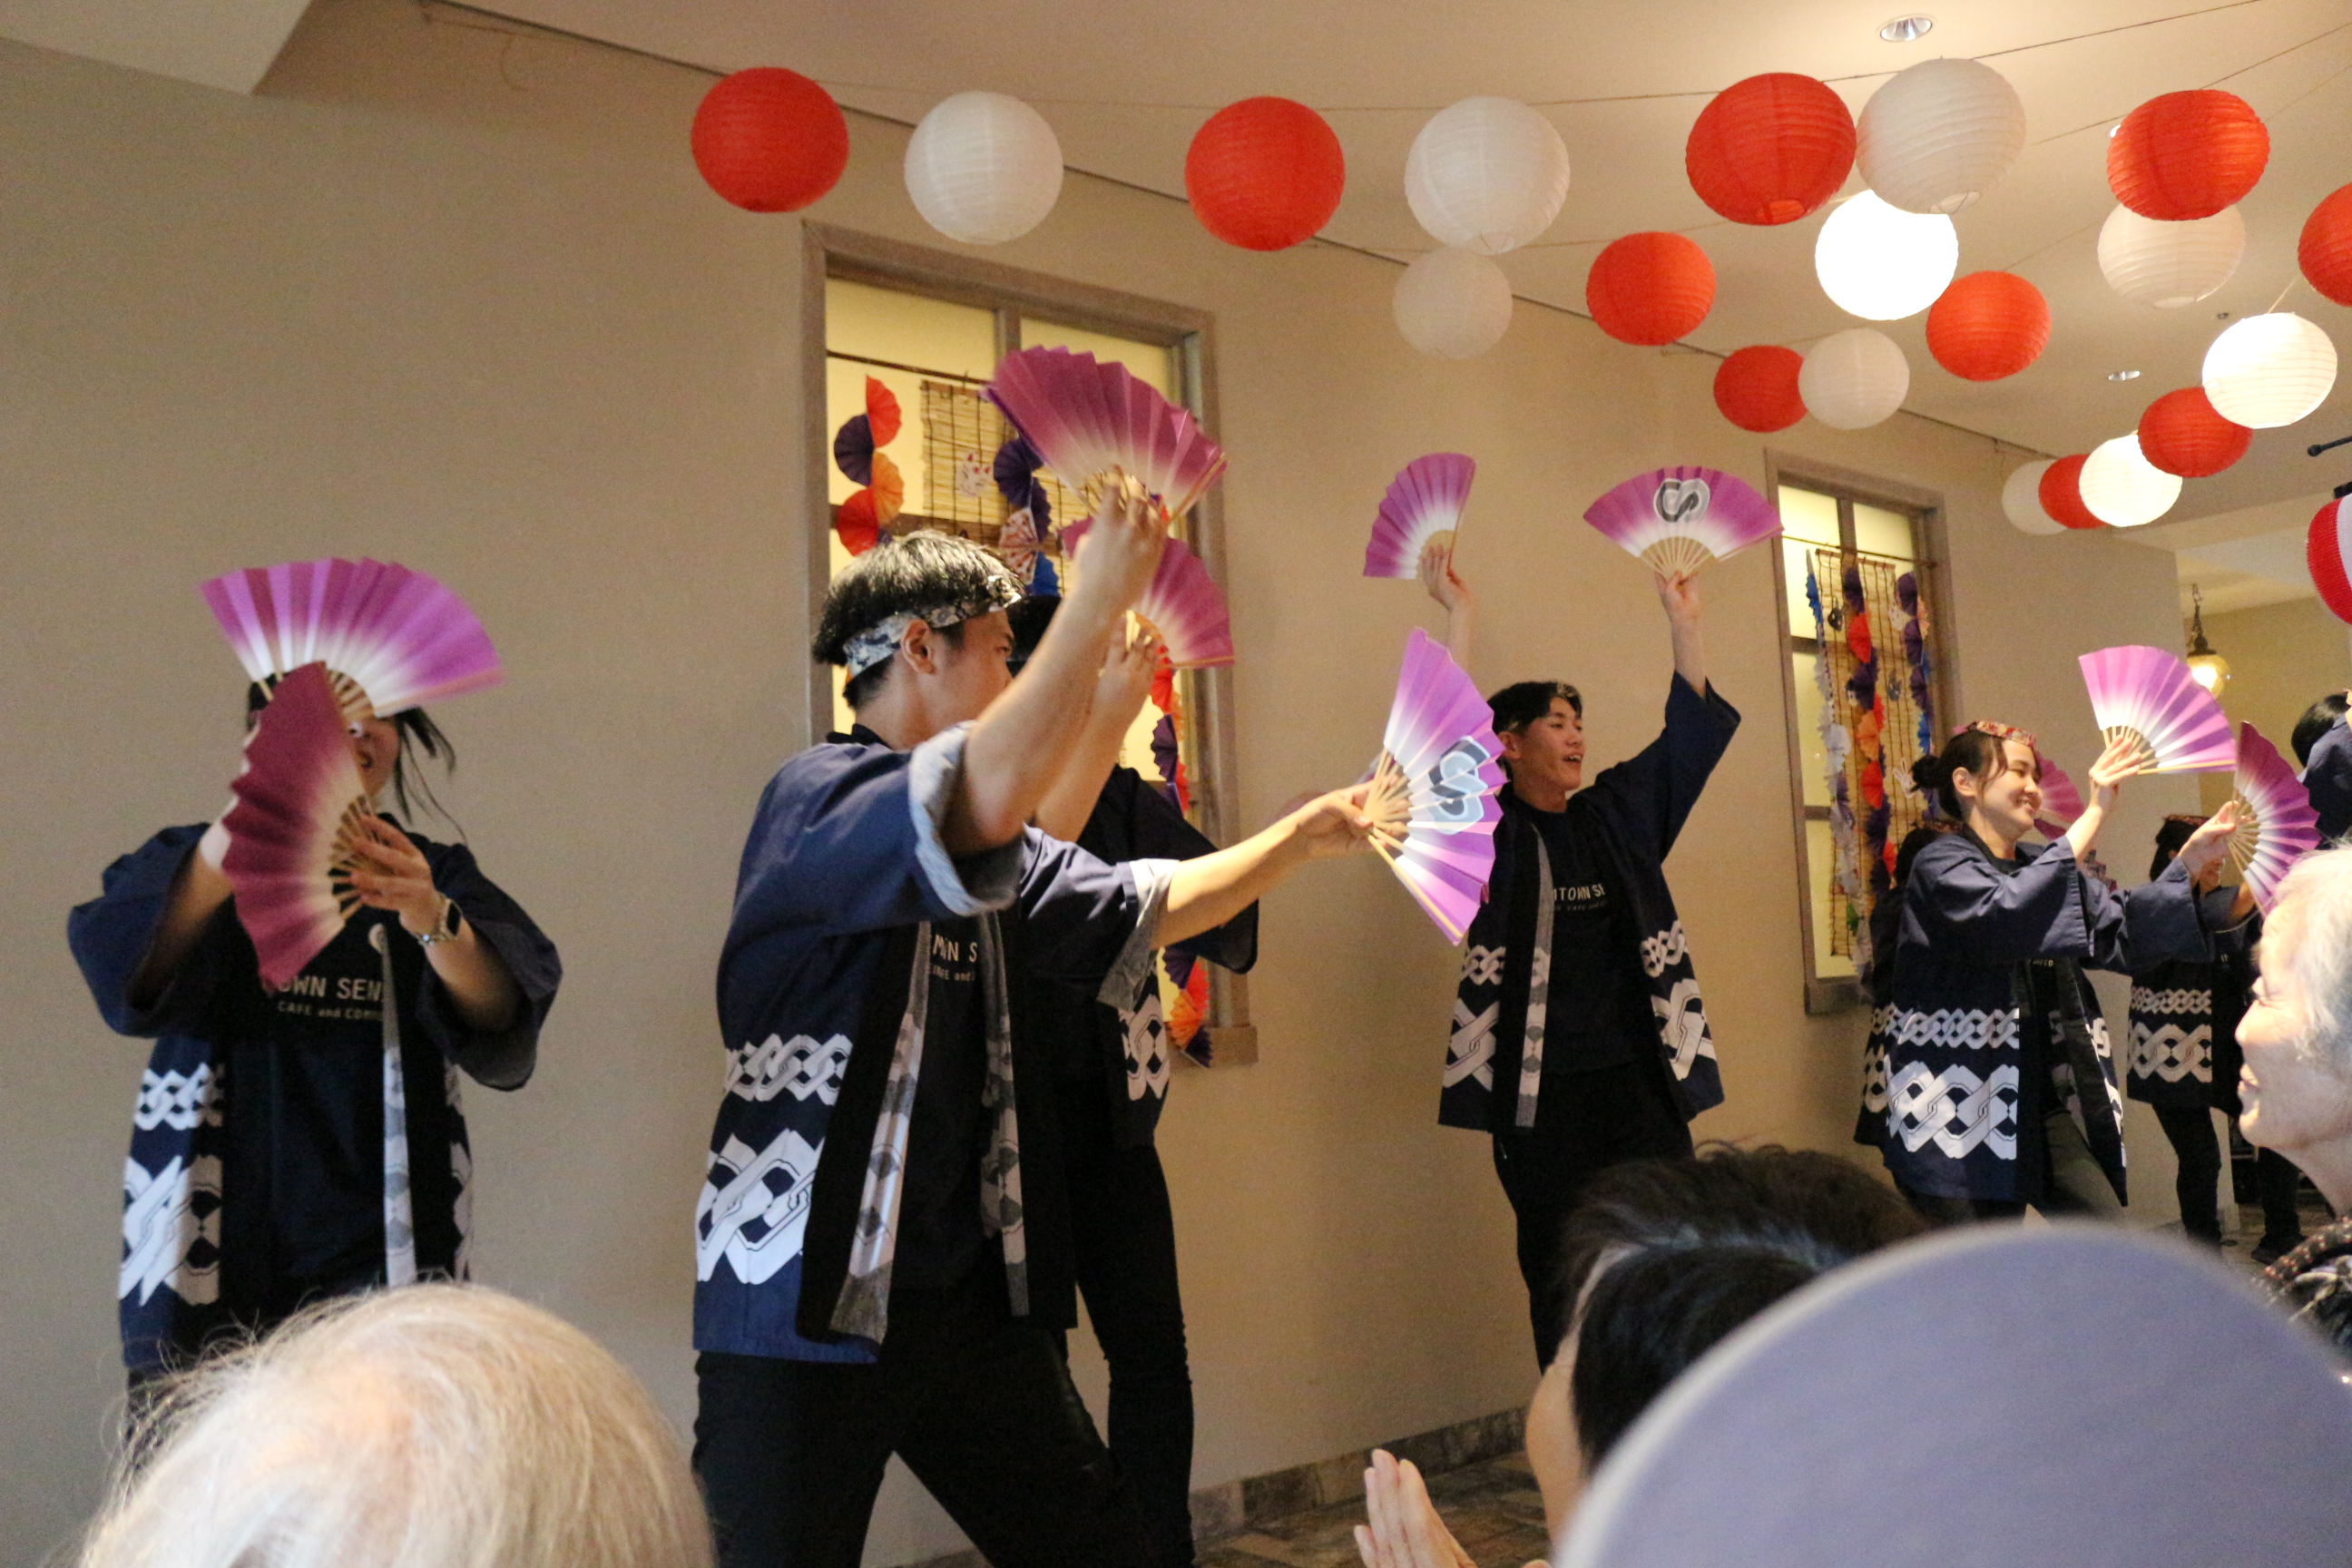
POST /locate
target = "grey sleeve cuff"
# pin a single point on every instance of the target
(1128, 971)
(982, 882)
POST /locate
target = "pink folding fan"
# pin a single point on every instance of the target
(398, 635)
(294, 826)
(2061, 803)
(2150, 696)
(1086, 418)
(1182, 603)
(1420, 515)
(2278, 827)
(1433, 785)
(1679, 520)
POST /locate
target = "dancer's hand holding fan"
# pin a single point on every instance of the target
(1090, 421)
(2148, 697)
(2276, 825)
(1433, 801)
(1679, 521)
(1182, 604)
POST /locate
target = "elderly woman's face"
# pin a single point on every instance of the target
(2292, 1097)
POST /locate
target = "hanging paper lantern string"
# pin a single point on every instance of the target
(1854, 379)
(1264, 173)
(1452, 304)
(1650, 288)
(2182, 433)
(1487, 174)
(2271, 370)
(1755, 387)
(2325, 551)
(2062, 492)
(2324, 249)
(2187, 154)
(2168, 265)
(984, 168)
(2021, 502)
(1770, 149)
(1989, 325)
(1940, 134)
(770, 141)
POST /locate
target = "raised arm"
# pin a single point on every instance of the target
(1020, 746)
(197, 893)
(1119, 695)
(1679, 595)
(1447, 586)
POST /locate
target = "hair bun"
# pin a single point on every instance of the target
(1931, 773)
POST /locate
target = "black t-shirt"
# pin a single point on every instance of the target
(306, 1079)
(1598, 1015)
(939, 1235)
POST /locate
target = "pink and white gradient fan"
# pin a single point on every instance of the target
(1182, 603)
(2278, 827)
(1419, 516)
(1680, 520)
(2148, 696)
(2061, 803)
(294, 826)
(1086, 418)
(1433, 799)
(398, 635)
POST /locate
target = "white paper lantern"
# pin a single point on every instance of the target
(2122, 487)
(2020, 498)
(1487, 174)
(1854, 378)
(2168, 265)
(1452, 304)
(984, 168)
(2269, 371)
(1882, 263)
(1939, 135)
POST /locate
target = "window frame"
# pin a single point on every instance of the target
(1837, 994)
(1011, 293)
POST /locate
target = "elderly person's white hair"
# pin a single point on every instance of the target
(2311, 928)
(2296, 1034)
(433, 1426)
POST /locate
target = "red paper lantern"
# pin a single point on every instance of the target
(1756, 388)
(2062, 493)
(2324, 550)
(2182, 434)
(1264, 173)
(1650, 288)
(770, 139)
(1770, 149)
(1987, 325)
(2326, 250)
(2187, 154)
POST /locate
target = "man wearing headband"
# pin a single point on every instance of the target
(881, 1245)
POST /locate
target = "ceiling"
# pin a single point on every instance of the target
(1125, 86)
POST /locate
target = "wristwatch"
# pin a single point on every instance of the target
(444, 929)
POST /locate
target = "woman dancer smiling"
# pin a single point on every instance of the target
(2000, 1087)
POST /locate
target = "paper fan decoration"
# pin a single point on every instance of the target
(1017, 546)
(854, 444)
(2278, 827)
(2149, 695)
(1085, 418)
(1679, 520)
(1183, 605)
(860, 519)
(1421, 513)
(293, 825)
(2061, 803)
(1433, 785)
(398, 635)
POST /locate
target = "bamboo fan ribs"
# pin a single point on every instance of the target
(2277, 825)
(1420, 517)
(2148, 697)
(1432, 787)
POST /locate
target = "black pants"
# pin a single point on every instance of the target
(2282, 1187)
(1124, 1233)
(1585, 1122)
(2190, 1130)
(978, 1402)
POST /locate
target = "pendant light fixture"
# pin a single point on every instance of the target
(2209, 669)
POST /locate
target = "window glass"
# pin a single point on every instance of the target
(1809, 515)
(1821, 863)
(1812, 756)
(1153, 365)
(1795, 556)
(1878, 531)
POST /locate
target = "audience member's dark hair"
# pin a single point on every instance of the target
(418, 732)
(2170, 835)
(1918, 839)
(1516, 707)
(1030, 618)
(1974, 750)
(2317, 720)
(924, 570)
(1650, 1315)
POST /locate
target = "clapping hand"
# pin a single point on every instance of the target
(1403, 1529)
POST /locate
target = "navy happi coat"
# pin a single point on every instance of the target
(1494, 1063)
(1993, 1025)
(843, 877)
(2184, 1019)
(2329, 779)
(196, 1248)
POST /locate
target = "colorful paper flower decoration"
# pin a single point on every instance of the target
(1015, 471)
(856, 453)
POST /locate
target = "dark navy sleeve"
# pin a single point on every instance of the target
(111, 935)
(847, 838)
(2329, 779)
(1160, 832)
(2161, 920)
(1655, 790)
(504, 1059)
(1086, 923)
(1959, 904)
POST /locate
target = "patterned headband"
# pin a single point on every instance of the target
(863, 650)
(2000, 733)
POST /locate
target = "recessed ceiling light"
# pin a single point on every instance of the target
(2123, 375)
(1903, 30)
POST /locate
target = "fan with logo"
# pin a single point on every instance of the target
(1419, 516)
(1086, 419)
(2147, 696)
(390, 636)
(295, 825)
(2276, 825)
(1433, 801)
(1680, 520)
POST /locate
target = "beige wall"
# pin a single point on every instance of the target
(2282, 657)
(464, 304)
